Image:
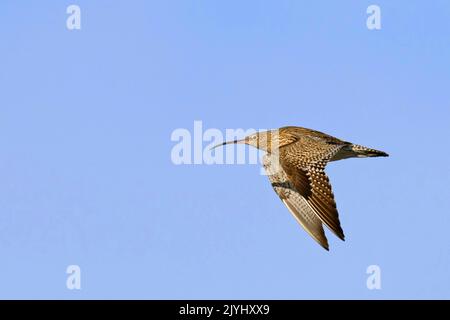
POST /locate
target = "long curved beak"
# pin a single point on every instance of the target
(228, 142)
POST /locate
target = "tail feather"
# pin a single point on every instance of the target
(362, 151)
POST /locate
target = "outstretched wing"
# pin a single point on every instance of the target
(303, 163)
(294, 201)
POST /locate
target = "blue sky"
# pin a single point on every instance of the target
(86, 176)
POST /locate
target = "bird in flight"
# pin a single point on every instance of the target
(295, 163)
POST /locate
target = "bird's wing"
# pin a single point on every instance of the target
(304, 163)
(294, 201)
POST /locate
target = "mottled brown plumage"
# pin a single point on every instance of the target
(295, 161)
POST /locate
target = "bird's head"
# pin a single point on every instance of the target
(266, 140)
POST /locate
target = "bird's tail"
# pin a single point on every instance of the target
(362, 152)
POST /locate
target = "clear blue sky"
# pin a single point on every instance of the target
(86, 176)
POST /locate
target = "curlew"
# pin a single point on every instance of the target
(295, 163)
